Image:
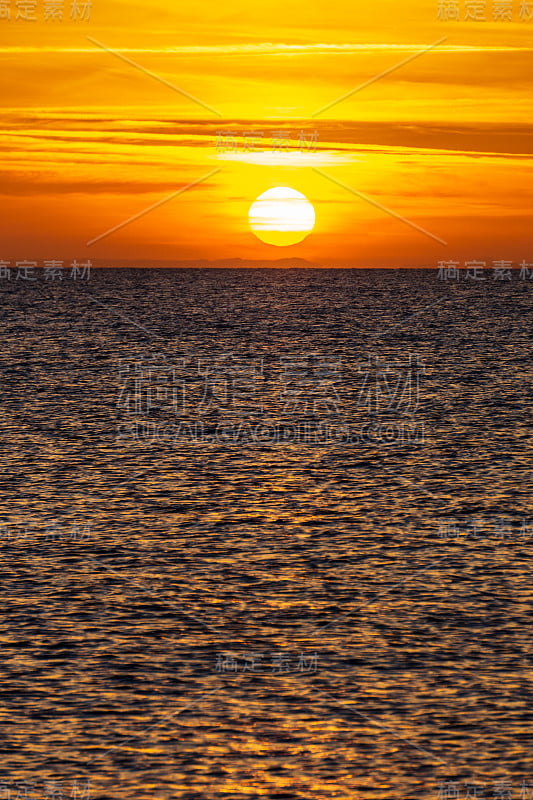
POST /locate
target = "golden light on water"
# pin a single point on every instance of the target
(281, 216)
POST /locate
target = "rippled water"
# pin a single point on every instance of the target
(386, 583)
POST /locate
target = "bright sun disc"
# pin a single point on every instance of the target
(281, 216)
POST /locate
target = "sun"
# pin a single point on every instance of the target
(281, 216)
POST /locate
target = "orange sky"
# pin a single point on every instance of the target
(443, 142)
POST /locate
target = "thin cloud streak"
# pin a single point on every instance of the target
(155, 76)
(267, 48)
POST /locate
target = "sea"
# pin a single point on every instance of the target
(266, 533)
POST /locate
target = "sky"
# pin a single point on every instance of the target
(145, 131)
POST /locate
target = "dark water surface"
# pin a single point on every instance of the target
(384, 576)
